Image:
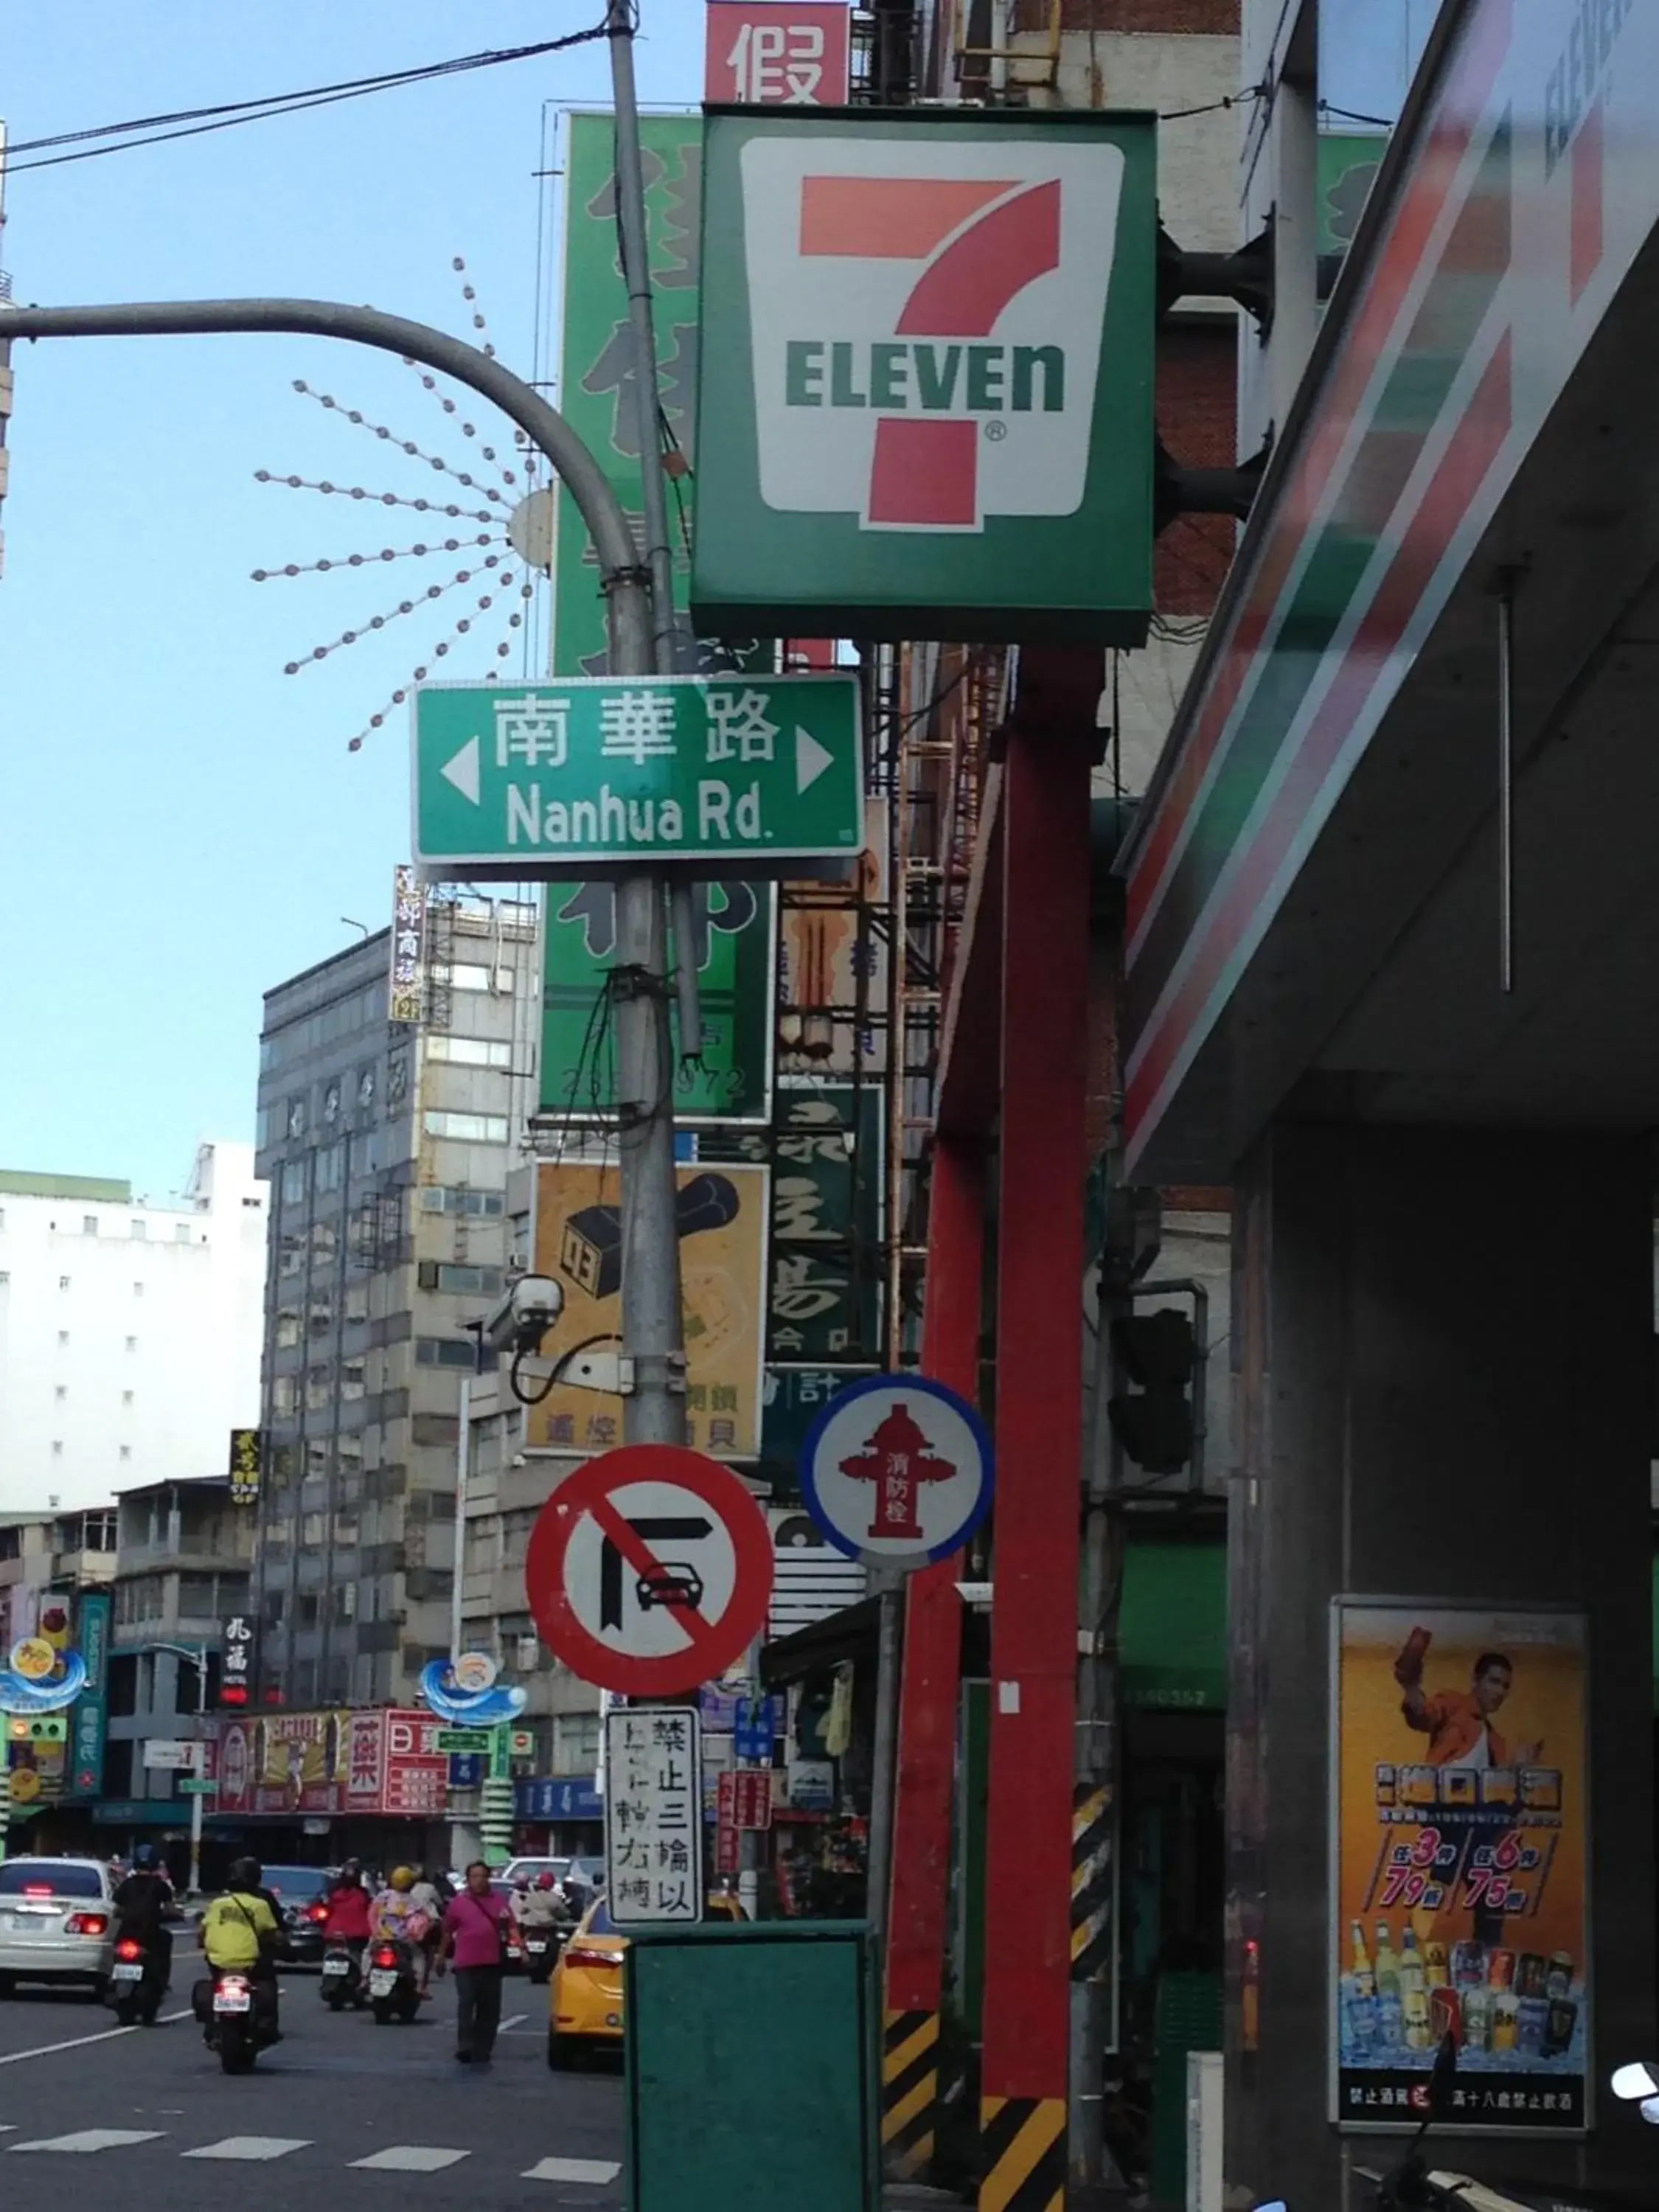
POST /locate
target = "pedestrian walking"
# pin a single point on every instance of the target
(475, 1938)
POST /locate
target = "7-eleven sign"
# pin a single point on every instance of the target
(936, 339)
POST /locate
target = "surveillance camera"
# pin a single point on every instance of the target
(525, 1315)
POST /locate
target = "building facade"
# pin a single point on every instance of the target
(130, 1332)
(387, 1144)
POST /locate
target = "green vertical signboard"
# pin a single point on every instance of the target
(737, 930)
(823, 1283)
(596, 376)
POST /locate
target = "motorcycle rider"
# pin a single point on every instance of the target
(394, 1908)
(348, 1918)
(536, 1907)
(242, 1934)
(141, 1901)
(426, 1923)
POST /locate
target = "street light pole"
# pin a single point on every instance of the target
(196, 1656)
(652, 1326)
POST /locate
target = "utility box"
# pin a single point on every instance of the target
(752, 2067)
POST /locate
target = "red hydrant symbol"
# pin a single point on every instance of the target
(897, 1460)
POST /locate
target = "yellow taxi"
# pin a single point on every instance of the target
(585, 2013)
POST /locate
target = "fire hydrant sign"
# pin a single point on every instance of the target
(649, 1570)
(654, 1815)
(546, 779)
(926, 383)
(897, 1471)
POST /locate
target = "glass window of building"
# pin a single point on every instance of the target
(288, 1328)
(294, 1182)
(466, 1128)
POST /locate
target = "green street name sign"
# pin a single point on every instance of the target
(196, 1785)
(463, 1739)
(549, 779)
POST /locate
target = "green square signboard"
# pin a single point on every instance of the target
(736, 926)
(924, 390)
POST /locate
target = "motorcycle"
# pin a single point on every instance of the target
(136, 1982)
(242, 2019)
(1414, 2186)
(394, 1986)
(542, 1947)
(343, 1976)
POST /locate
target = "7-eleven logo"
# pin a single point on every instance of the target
(926, 323)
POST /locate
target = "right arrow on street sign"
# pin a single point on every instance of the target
(810, 759)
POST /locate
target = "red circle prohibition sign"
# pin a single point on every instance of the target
(711, 1646)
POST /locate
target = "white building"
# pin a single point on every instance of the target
(129, 1333)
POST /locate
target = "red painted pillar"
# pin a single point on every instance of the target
(925, 1782)
(1039, 1412)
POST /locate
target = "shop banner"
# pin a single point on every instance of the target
(735, 949)
(380, 1761)
(1458, 1762)
(596, 361)
(578, 1241)
(89, 1716)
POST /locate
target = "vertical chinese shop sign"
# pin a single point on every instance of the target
(1458, 1764)
(596, 378)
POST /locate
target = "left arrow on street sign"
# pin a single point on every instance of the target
(463, 771)
(810, 759)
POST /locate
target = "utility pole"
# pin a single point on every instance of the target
(195, 1656)
(652, 1326)
(653, 1322)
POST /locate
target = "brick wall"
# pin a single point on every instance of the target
(1212, 18)
(1196, 416)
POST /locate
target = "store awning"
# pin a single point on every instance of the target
(1172, 1626)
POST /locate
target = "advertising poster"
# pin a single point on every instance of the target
(579, 1242)
(1461, 1844)
(89, 1714)
(732, 1077)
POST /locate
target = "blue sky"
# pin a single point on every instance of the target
(181, 824)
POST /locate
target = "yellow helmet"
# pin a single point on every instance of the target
(403, 1878)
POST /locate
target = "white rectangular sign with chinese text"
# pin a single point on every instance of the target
(653, 1814)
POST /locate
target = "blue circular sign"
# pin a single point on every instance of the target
(897, 1471)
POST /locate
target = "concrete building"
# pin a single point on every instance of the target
(128, 1333)
(182, 1560)
(387, 1144)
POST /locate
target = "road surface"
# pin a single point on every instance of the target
(363, 2118)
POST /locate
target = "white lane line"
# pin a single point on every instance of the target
(411, 2157)
(251, 2147)
(572, 2169)
(9, 2127)
(513, 2020)
(77, 2042)
(91, 2139)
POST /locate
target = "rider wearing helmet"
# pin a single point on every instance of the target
(242, 1932)
(537, 1907)
(394, 1907)
(348, 1907)
(143, 1897)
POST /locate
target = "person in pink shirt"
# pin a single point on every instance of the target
(474, 1937)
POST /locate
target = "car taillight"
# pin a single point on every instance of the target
(317, 1912)
(86, 1923)
(126, 1949)
(386, 1956)
(233, 1981)
(580, 1954)
(36, 1889)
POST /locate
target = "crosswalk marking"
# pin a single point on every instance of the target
(251, 2147)
(572, 2169)
(91, 2139)
(411, 2157)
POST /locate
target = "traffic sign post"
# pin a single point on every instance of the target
(197, 1785)
(897, 1471)
(649, 1570)
(556, 778)
(465, 1739)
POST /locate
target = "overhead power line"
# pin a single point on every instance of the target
(195, 122)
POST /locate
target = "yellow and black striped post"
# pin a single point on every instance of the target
(1091, 1880)
(1022, 2140)
(909, 2093)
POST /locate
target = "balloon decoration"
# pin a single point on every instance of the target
(468, 1708)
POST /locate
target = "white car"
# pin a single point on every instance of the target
(56, 1922)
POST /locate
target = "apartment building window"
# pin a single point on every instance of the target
(58, 1447)
(443, 1352)
(288, 1328)
(351, 1378)
(466, 1128)
(294, 1182)
(89, 1225)
(284, 1395)
(320, 1383)
(576, 1743)
(126, 1397)
(132, 1342)
(99, 1531)
(140, 1229)
(480, 1282)
(470, 1052)
(61, 1392)
(442, 1198)
(137, 1289)
(63, 1339)
(181, 1232)
(126, 1451)
(62, 1282)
